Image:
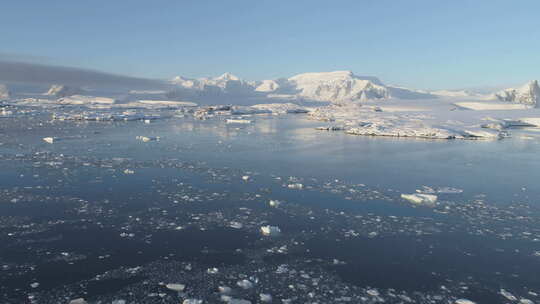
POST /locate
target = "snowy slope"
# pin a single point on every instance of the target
(63, 91)
(335, 87)
(529, 94)
(4, 92)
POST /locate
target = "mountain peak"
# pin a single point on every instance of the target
(227, 76)
(528, 94)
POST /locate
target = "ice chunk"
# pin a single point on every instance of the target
(236, 225)
(238, 301)
(224, 289)
(274, 203)
(238, 121)
(78, 301)
(147, 138)
(245, 284)
(192, 301)
(296, 186)
(373, 292)
(49, 140)
(420, 199)
(464, 301)
(270, 230)
(176, 287)
(507, 295)
(265, 297)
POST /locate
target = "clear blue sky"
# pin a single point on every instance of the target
(416, 43)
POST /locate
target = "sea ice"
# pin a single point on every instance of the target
(265, 297)
(270, 230)
(507, 295)
(176, 287)
(192, 301)
(238, 121)
(245, 284)
(49, 140)
(148, 138)
(420, 199)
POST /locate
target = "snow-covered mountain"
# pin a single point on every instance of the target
(4, 92)
(58, 90)
(528, 94)
(335, 87)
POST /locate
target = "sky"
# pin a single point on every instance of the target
(424, 44)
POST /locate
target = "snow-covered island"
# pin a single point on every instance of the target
(341, 100)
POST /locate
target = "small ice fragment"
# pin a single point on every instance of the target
(192, 301)
(176, 287)
(78, 301)
(420, 199)
(274, 203)
(238, 121)
(245, 284)
(245, 178)
(270, 230)
(224, 290)
(49, 140)
(236, 225)
(265, 297)
(34, 285)
(507, 295)
(238, 301)
(373, 292)
(464, 301)
(212, 270)
(128, 171)
(297, 186)
(525, 301)
(147, 138)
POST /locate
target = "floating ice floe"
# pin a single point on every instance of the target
(236, 225)
(192, 301)
(282, 108)
(148, 138)
(176, 287)
(442, 190)
(274, 203)
(265, 297)
(507, 295)
(245, 284)
(330, 128)
(78, 301)
(224, 290)
(420, 199)
(50, 140)
(234, 301)
(464, 301)
(270, 230)
(297, 186)
(238, 121)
